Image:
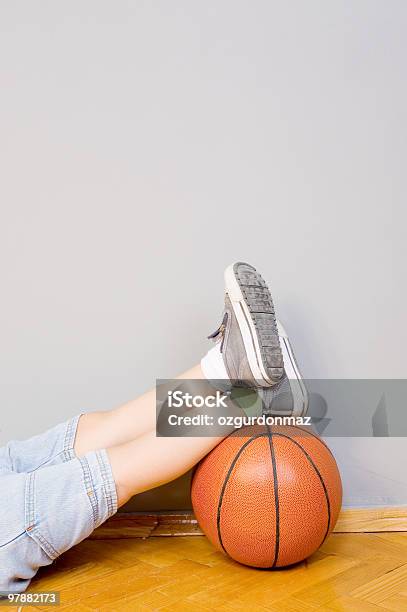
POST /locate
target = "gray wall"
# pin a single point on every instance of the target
(146, 145)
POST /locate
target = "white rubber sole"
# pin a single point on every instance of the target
(298, 388)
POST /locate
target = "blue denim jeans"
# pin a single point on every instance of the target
(49, 501)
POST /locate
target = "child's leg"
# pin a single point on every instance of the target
(146, 461)
(122, 424)
(150, 461)
(83, 433)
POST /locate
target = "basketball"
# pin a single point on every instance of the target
(268, 496)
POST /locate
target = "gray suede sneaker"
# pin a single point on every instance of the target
(250, 344)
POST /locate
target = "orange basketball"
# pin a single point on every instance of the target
(268, 496)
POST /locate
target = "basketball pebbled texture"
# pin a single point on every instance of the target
(268, 496)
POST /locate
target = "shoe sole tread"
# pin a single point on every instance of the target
(261, 308)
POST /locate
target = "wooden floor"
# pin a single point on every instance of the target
(350, 572)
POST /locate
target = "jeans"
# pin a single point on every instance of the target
(50, 500)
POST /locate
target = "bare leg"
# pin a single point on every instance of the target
(140, 460)
(114, 427)
(150, 461)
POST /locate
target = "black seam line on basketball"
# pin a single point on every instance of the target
(320, 478)
(225, 482)
(276, 500)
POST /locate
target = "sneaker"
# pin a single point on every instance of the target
(291, 395)
(250, 344)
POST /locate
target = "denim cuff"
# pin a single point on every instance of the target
(69, 438)
(100, 485)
